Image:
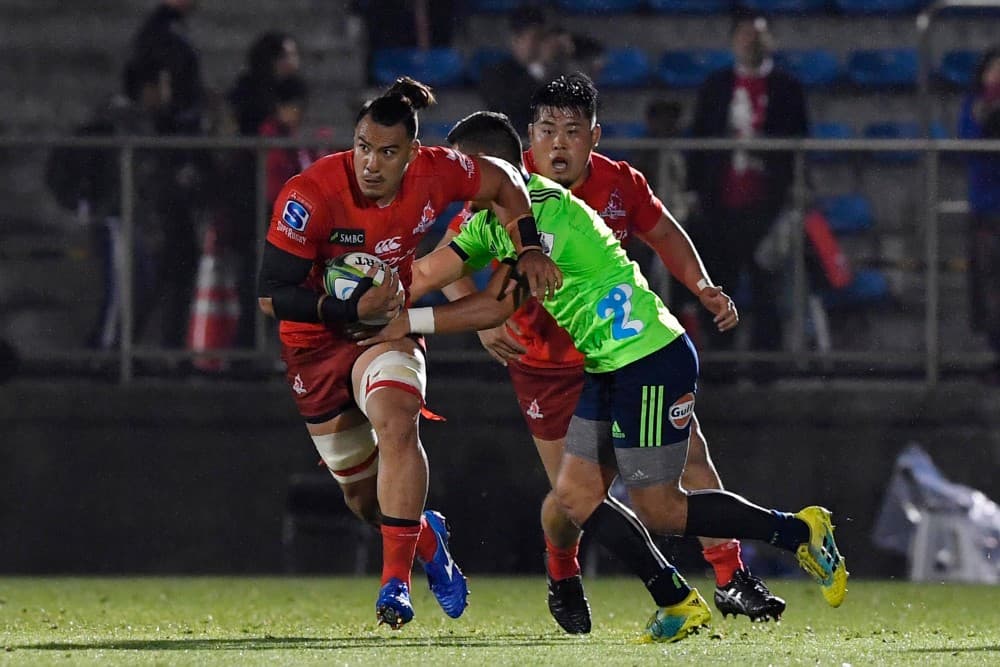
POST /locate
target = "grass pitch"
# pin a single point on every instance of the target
(330, 621)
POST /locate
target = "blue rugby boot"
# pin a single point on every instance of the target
(445, 578)
(393, 604)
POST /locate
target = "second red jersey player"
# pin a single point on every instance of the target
(547, 372)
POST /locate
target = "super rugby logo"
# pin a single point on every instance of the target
(295, 215)
(680, 412)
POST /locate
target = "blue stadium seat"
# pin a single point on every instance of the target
(495, 6)
(958, 66)
(894, 130)
(434, 133)
(624, 68)
(847, 214)
(623, 130)
(814, 68)
(689, 68)
(691, 6)
(880, 6)
(785, 6)
(599, 6)
(481, 59)
(883, 68)
(868, 287)
(435, 67)
(830, 132)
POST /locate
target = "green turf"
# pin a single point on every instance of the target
(330, 621)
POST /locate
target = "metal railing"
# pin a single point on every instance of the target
(932, 149)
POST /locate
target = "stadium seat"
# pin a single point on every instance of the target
(435, 67)
(880, 6)
(599, 6)
(495, 6)
(869, 286)
(434, 133)
(813, 68)
(847, 214)
(894, 130)
(785, 6)
(689, 68)
(624, 68)
(883, 68)
(958, 66)
(481, 59)
(623, 130)
(830, 132)
(691, 6)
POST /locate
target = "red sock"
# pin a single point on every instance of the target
(725, 560)
(427, 543)
(398, 546)
(562, 563)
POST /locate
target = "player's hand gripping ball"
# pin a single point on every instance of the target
(343, 274)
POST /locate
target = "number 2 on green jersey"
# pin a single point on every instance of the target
(618, 305)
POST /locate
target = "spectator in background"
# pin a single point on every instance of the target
(87, 182)
(163, 38)
(980, 119)
(415, 24)
(272, 58)
(507, 86)
(741, 194)
(291, 97)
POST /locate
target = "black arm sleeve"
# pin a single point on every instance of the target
(281, 274)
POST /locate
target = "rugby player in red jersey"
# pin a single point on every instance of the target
(381, 197)
(545, 368)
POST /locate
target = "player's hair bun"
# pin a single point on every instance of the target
(418, 95)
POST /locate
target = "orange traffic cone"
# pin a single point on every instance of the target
(215, 312)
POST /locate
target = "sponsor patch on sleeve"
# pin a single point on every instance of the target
(296, 212)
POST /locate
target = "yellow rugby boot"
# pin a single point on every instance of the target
(673, 623)
(819, 556)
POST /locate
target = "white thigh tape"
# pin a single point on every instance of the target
(393, 369)
(350, 455)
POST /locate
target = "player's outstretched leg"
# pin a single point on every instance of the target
(820, 557)
(445, 578)
(393, 604)
(807, 533)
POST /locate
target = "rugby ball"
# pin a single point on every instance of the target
(343, 274)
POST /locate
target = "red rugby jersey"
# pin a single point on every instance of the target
(626, 203)
(321, 213)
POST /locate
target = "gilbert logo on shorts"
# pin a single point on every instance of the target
(681, 411)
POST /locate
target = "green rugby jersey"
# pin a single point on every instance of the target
(605, 302)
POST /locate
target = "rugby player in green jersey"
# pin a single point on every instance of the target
(634, 415)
